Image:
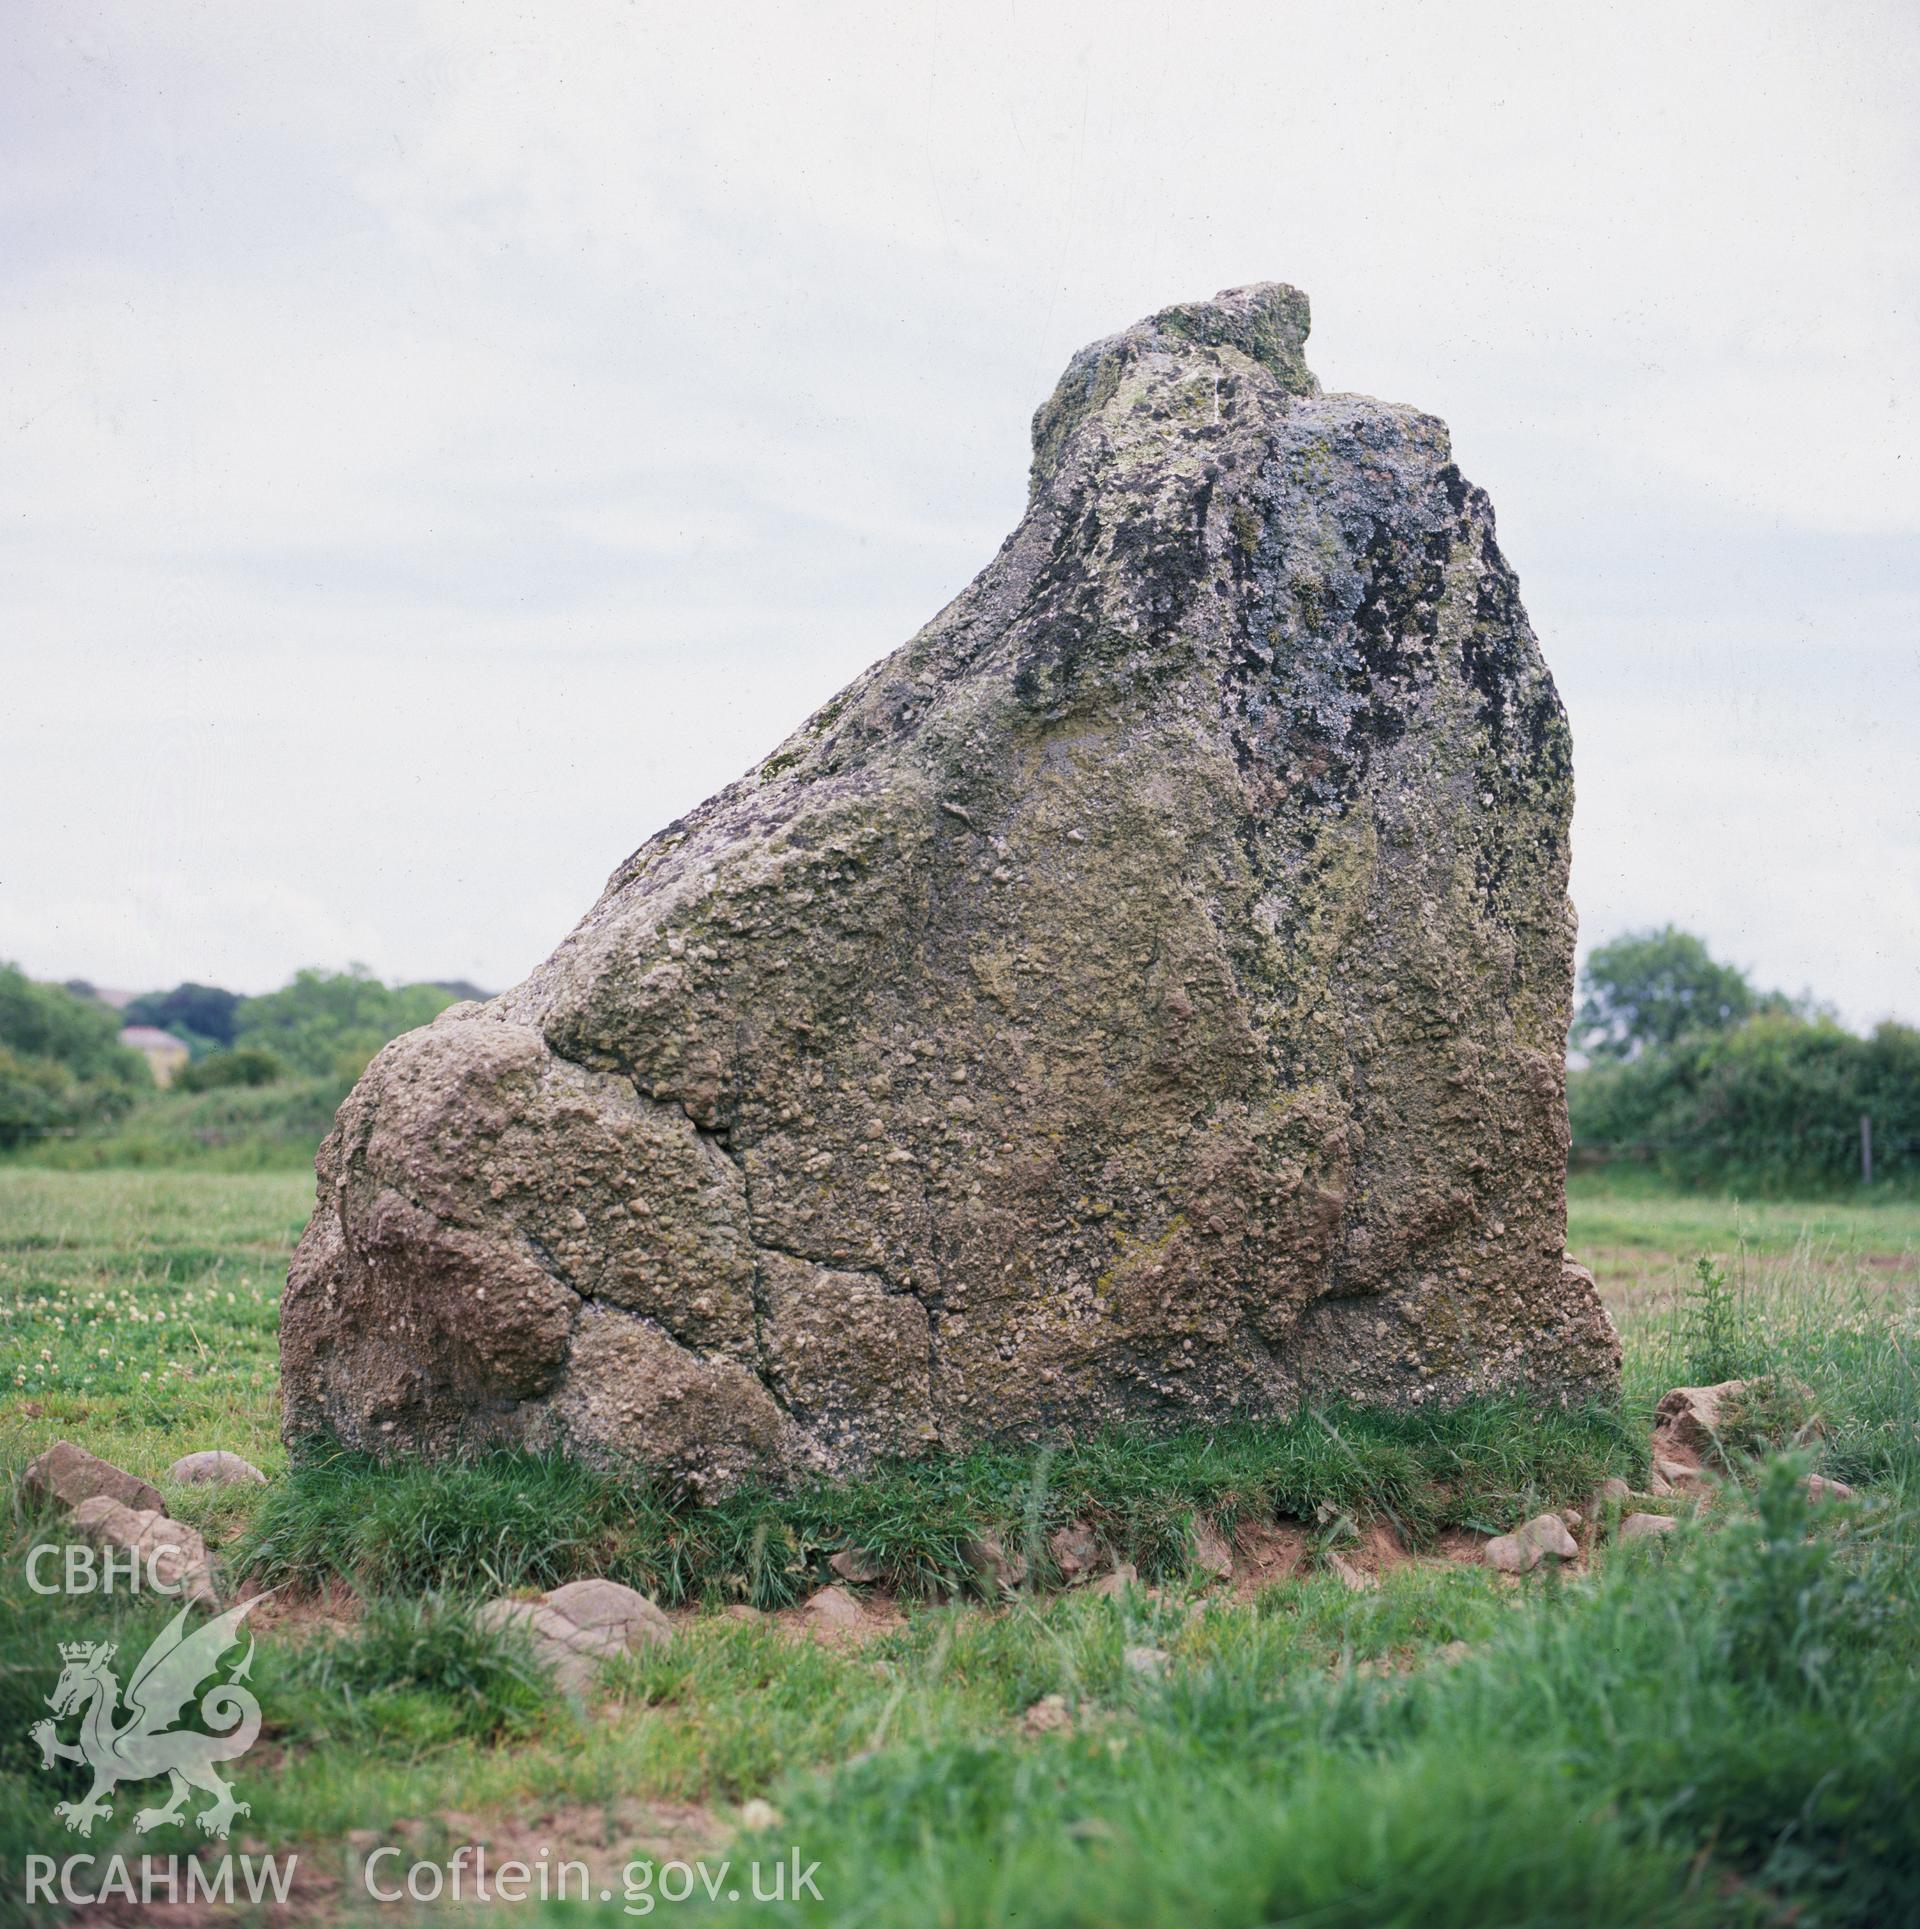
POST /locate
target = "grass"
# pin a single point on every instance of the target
(514, 1520)
(139, 1312)
(1712, 1729)
(1629, 1211)
(264, 1128)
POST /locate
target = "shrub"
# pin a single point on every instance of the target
(248, 1065)
(329, 1024)
(62, 1065)
(190, 1011)
(1772, 1106)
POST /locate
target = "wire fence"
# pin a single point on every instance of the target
(1865, 1147)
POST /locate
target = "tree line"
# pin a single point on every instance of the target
(63, 1068)
(1693, 1070)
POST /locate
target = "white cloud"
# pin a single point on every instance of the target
(444, 441)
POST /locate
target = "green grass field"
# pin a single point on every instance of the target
(1718, 1728)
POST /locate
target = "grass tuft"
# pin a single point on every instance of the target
(510, 1520)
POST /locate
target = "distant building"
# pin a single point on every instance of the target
(163, 1052)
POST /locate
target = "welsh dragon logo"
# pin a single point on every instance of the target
(146, 1743)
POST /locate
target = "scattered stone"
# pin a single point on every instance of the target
(1690, 1416)
(612, 1607)
(1211, 1556)
(1613, 1492)
(740, 1611)
(169, 1551)
(851, 1565)
(1573, 1518)
(1820, 1488)
(1658, 1487)
(1124, 1576)
(216, 1465)
(70, 1474)
(1646, 1527)
(574, 1654)
(681, 1200)
(577, 1628)
(1049, 1715)
(832, 1610)
(758, 1814)
(1075, 1551)
(1680, 1476)
(1149, 1662)
(1349, 1576)
(993, 1564)
(1527, 1546)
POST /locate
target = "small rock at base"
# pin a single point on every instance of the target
(832, 1607)
(1527, 1546)
(611, 1606)
(1349, 1576)
(759, 1814)
(991, 1561)
(1646, 1527)
(851, 1565)
(1075, 1551)
(1820, 1488)
(1677, 1473)
(1048, 1715)
(173, 1553)
(70, 1474)
(1211, 1556)
(576, 1628)
(1124, 1576)
(1690, 1415)
(1612, 1491)
(1151, 1662)
(217, 1465)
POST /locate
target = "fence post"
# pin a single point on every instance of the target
(1866, 1148)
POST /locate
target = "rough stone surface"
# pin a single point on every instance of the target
(69, 1474)
(995, 1567)
(613, 1607)
(832, 1609)
(1212, 1557)
(1820, 1488)
(1645, 1527)
(1048, 1716)
(1142, 996)
(577, 1628)
(215, 1465)
(1689, 1417)
(1680, 1476)
(170, 1552)
(1354, 1579)
(1527, 1546)
(1075, 1550)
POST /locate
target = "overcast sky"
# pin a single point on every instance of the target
(444, 442)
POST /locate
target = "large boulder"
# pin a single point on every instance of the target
(1141, 997)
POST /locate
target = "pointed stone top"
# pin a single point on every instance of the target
(1266, 321)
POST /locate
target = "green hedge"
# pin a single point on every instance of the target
(1774, 1105)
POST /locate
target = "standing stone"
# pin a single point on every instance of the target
(1141, 997)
